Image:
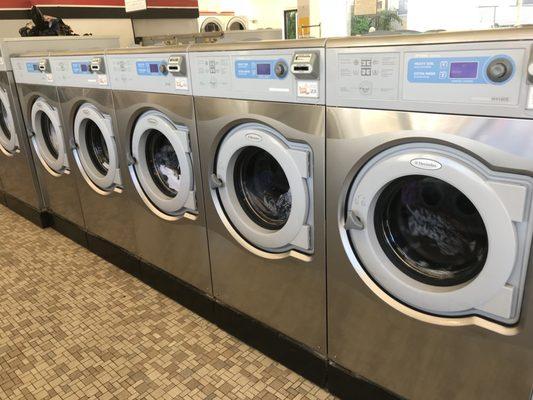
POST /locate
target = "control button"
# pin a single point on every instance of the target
(499, 70)
(365, 88)
(280, 69)
(163, 69)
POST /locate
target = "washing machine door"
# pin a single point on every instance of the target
(263, 185)
(440, 231)
(8, 136)
(48, 138)
(96, 150)
(162, 166)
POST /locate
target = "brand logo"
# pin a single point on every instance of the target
(153, 121)
(254, 137)
(426, 163)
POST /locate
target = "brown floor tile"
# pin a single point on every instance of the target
(72, 326)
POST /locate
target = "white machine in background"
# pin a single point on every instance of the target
(219, 23)
(430, 212)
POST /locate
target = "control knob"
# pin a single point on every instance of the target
(499, 70)
(280, 69)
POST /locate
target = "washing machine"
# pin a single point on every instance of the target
(429, 191)
(17, 168)
(42, 117)
(19, 179)
(219, 23)
(89, 126)
(260, 119)
(156, 128)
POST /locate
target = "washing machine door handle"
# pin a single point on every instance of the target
(73, 145)
(215, 182)
(353, 222)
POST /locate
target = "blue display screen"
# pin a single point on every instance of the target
(463, 70)
(263, 69)
(80, 68)
(32, 67)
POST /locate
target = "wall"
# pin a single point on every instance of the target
(423, 15)
(117, 27)
(159, 27)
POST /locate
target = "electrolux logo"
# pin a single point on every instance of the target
(426, 163)
(254, 137)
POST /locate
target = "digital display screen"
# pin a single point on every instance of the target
(154, 68)
(84, 67)
(463, 70)
(263, 69)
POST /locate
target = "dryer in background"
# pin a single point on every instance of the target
(157, 132)
(89, 126)
(430, 212)
(260, 116)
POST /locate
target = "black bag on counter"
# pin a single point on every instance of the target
(45, 25)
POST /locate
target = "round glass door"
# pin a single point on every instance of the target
(96, 152)
(262, 188)
(162, 171)
(8, 136)
(259, 179)
(430, 226)
(163, 163)
(431, 231)
(48, 140)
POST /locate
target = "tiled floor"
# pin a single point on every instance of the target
(72, 326)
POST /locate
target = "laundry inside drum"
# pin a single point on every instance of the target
(431, 231)
(262, 188)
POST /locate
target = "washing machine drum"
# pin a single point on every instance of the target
(441, 232)
(8, 135)
(263, 184)
(48, 137)
(162, 169)
(96, 149)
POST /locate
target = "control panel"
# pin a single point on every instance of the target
(285, 75)
(158, 73)
(261, 69)
(438, 78)
(80, 71)
(461, 70)
(32, 70)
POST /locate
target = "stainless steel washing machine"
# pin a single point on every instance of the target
(17, 171)
(156, 128)
(260, 116)
(17, 168)
(89, 126)
(40, 109)
(429, 191)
